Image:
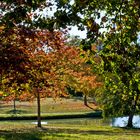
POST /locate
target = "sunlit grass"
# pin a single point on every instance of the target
(65, 131)
(48, 105)
(69, 129)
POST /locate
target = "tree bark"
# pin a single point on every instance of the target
(38, 110)
(14, 105)
(85, 100)
(130, 121)
(1, 80)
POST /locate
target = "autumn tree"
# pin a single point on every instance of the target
(83, 77)
(13, 59)
(72, 65)
(35, 75)
(54, 65)
(15, 27)
(43, 77)
(26, 41)
(20, 42)
(84, 83)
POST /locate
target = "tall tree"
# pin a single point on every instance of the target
(117, 25)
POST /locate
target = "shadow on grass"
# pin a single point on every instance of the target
(16, 111)
(77, 98)
(110, 132)
(14, 135)
(38, 134)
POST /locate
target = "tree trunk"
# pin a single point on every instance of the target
(130, 121)
(1, 80)
(85, 100)
(14, 105)
(38, 110)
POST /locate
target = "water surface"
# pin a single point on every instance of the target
(117, 122)
(122, 121)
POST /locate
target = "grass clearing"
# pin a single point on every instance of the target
(48, 105)
(63, 129)
(50, 108)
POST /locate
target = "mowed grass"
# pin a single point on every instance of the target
(65, 131)
(48, 105)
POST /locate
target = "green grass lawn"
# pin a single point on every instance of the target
(67, 129)
(48, 105)
(50, 108)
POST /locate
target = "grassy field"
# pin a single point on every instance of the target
(48, 105)
(67, 129)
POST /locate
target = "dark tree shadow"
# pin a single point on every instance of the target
(38, 133)
(17, 111)
(14, 135)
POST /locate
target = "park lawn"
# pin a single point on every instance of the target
(65, 131)
(60, 130)
(48, 105)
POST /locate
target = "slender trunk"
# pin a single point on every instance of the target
(1, 81)
(38, 110)
(85, 100)
(14, 105)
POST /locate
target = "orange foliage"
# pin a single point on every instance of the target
(39, 59)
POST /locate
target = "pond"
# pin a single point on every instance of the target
(122, 121)
(117, 122)
(75, 121)
(54, 122)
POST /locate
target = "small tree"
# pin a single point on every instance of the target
(77, 73)
(32, 68)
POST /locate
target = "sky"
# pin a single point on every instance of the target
(74, 31)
